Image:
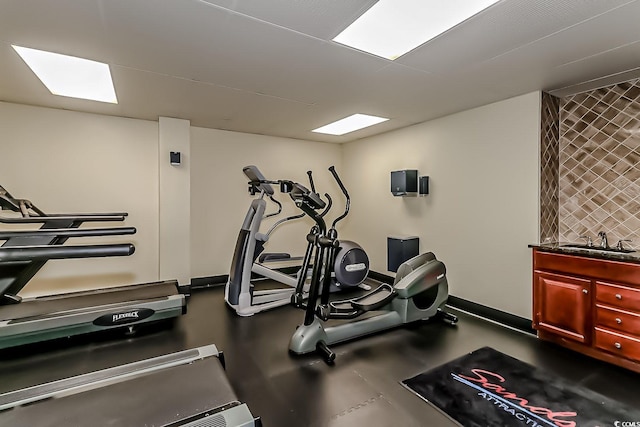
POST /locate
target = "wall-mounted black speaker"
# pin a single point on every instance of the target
(404, 182)
(423, 185)
(174, 158)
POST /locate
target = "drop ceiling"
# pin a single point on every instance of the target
(269, 66)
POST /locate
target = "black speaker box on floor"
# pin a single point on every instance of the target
(401, 249)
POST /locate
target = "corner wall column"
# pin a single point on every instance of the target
(175, 200)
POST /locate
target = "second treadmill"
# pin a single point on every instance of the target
(24, 253)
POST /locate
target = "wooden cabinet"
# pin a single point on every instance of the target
(590, 305)
(563, 305)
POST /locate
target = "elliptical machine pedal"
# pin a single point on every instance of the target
(448, 318)
(371, 301)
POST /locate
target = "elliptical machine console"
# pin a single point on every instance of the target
(419, 292)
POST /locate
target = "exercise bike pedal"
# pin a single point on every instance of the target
(375, 299)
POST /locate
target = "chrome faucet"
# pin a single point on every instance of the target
(620, 246)
(603, 240)
(589, 241)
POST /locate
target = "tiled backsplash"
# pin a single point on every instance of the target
(549, 158)
(599, 165)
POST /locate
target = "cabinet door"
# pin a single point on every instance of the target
(562, 305)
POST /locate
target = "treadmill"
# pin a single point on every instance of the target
(25, 252)
(188, 388)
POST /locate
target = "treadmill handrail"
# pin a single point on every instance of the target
(69, 232)
(40, 252)
(120, 216)
(24, 206)
(83, 382)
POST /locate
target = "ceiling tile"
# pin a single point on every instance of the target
(504, 27)
(324, 19)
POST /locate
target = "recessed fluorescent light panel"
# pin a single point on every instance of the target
(350, 124)
(391, 28)
(70, 76)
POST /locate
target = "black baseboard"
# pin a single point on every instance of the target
(502, 317)
(208, 282)
(184, 289)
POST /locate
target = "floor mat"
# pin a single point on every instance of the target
(488, 388)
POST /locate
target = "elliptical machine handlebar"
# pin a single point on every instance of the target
(298, 216)
(326, 195)
(273, 199)
(310, 175)
(332, 169)
(277, 223)
(329, 204)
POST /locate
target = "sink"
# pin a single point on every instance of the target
(597, 248)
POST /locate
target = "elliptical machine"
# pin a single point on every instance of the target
(419, 291)
(239, 291)
(348, 261)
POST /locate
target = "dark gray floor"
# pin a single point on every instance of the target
(363, 387)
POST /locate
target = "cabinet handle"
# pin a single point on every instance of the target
(618, 296)
(618, 320)
(584, 291)
(618, 345)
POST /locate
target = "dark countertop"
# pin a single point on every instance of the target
(561, 248)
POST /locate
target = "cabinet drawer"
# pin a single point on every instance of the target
(618, 296)
(620, 320)
(597, 269)
(618, 344)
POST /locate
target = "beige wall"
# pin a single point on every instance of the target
(481, 213)
(482, 210)
(74, 162)
(68, 162)
(219, 197)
